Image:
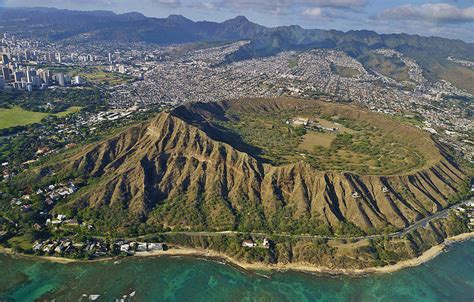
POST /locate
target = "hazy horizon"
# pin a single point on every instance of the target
(449, 19)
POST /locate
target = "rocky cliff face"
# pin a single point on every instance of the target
(169, 170)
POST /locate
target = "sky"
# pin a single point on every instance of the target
(446, 18)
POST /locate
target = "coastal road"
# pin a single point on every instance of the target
(419, 224)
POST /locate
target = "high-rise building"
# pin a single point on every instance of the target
(5, 59)
(6, 73)
(59, 58)
(36, 81)
(77, 80)
(60, 79)
(30, 73)
(122, 69)
(2, 83)
(18, 75)
(45, 75)
(24, 83)
(110, 57)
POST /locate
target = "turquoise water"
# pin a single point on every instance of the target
(449, 277)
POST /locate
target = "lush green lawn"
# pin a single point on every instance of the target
(99, 76)
(72, 109)
(17, 116)
(21, 242)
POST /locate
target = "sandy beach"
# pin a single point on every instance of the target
(302, 267)
(306, 267)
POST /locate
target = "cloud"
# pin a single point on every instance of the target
(337, 3)
(318, 13)
(431, 12)
(209, 5)
(170, 3)
(313, 12)
(287, 5)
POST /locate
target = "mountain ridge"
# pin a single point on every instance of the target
(238, 20)
(169, 172)
(71, 26)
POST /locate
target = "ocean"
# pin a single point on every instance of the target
(448, 277)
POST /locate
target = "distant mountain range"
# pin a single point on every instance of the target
(430, 52)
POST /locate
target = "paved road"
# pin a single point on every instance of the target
(421, 223)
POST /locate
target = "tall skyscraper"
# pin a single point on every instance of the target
(45, 75)
(110, 57)
(5, 59)
(59, 58)
(77, 80)
(6, 73)
(18, 75)
(30, 73)
(60, 79)
(36, 81)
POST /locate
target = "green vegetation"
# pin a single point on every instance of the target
(16, 116)
(292, 63)
(460, 76)
(98, 75)
(343, 71)
(392, 67)
(409, 118)
(52, 101)
(70, 110)
(355, 145)
(276, 141)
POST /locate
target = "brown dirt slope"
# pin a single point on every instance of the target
(171, 162)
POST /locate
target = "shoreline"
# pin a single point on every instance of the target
(427, 255)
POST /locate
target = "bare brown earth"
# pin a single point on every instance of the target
(178, 170)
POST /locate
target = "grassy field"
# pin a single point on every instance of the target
(345, 72)
(100, 76)
(95, 74)
(312, 139)
(355, 146)
(70, 110)
(17, 116)
(21, 242)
